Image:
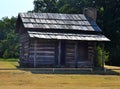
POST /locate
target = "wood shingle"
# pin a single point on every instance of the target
(58, 21)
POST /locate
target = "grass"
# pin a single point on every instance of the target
(9, 59)
(113, 68)
(21, 79)
(8, 63)
(24, 80)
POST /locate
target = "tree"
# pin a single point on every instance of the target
(59, 6)
(45, 6)
(8, 39)
(109, 21)
(70, 6)
(98, 56)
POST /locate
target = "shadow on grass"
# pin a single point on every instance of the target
(70, 71)
(66, 71)
(85, 71)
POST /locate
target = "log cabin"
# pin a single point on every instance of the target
(58, 40)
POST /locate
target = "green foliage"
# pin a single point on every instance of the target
(9, 59)
(69, 6)
(106, 56)
(45, 6)
(58, 6)
(8, 39)
(98, 56)
(109, 21)
(6, 54)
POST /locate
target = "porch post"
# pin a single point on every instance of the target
(93, 54)
(76, 54)
(59, 54)
(35, 52)
(103, 56)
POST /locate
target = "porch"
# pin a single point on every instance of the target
(61, 53)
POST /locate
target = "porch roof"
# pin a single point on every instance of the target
(67, 36)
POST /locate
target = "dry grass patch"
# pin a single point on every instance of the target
(19, 79)
(26, 80)
(113, 68)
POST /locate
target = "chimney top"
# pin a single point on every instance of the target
(90, 13)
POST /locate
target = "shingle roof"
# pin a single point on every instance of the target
(58, 21)
(67, 36)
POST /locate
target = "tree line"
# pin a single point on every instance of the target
(108, 18)
(8, 39)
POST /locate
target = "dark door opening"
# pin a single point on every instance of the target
(62, 52)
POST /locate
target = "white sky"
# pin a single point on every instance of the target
(10, 8)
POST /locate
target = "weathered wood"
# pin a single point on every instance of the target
(24, 47)
(70, 50)
(84, 64)
(59, 54)
(63, 51)
(91, 48)
(76, 54)
(48, 48)
(43, 56)
(82, 51)
(41, 59)
(45, 52)
(94, 54)
(40, 63)
(70, 64)
(70, 54)
(44, 45)
(35, 52)
(70, 58)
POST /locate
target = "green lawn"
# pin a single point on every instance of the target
(10, 63)
(21, 79)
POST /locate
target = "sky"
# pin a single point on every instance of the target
(9, 8)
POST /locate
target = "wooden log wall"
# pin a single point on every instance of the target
(45, 53)
(83, 60)
(70, 54)
(24, 48)
(91, 47)
(83, 53)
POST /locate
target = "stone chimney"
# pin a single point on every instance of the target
(90, 13)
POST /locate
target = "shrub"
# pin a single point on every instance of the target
(98, 56)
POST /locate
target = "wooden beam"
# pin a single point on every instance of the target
(59, 53)
(76, 54)
(93, 54)
(103, 56)
(35, 52)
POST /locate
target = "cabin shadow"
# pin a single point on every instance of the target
(78, 71)
(85, 72)
(96, 71)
